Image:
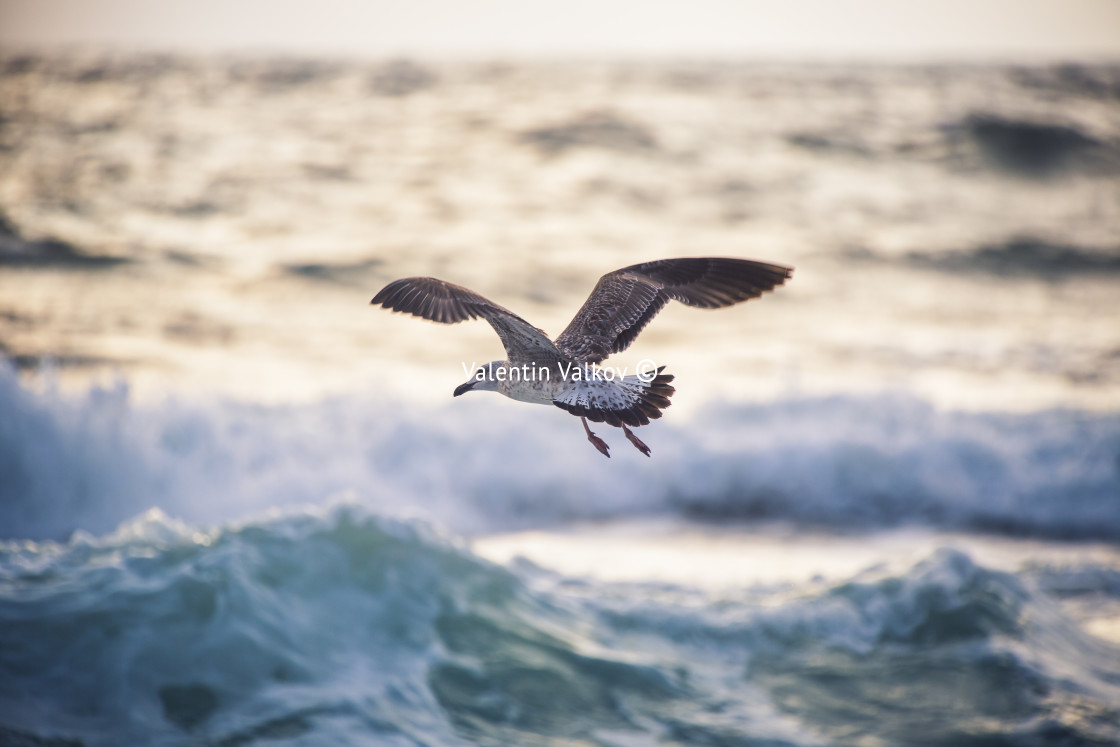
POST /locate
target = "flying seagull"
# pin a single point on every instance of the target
(563, 372)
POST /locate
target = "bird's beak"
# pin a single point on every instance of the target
(466, 387)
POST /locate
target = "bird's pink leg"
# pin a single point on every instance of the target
(597, 442)
(635, 440)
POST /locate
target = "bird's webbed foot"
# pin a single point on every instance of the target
(638, 444)
(597, 442)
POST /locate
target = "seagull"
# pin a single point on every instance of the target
(564, 372)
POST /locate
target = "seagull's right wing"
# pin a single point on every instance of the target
(446, 303)
(624, 301)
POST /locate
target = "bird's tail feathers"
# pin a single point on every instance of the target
(630, 400)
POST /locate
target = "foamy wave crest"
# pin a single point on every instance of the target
(339, 626)
(91, 461)
(336, 626)
(949, 652)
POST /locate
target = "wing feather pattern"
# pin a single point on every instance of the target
(446, 303)
(624, 301)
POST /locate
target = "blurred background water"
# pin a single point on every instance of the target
(238, 505)
(207, 224)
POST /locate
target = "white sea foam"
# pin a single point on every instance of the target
(341, 626)
(90, 461)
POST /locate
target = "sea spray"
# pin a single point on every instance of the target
(89, 461)
(338, 625)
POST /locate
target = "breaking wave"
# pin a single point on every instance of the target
(91, 461)
(341, 626)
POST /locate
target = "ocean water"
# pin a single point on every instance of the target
(342, 626)
(238, 506)
(219, 225)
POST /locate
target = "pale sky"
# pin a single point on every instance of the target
(820, 29)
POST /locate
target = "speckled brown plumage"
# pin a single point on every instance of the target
(622, 303)
(633, 402)
(447, 303)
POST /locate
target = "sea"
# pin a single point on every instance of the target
(240, 506)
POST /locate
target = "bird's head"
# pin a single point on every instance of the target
(485, 379)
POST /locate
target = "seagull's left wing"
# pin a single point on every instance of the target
(446, 303)
(624, 301)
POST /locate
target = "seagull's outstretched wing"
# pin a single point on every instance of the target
(624, 301)
(446, 303)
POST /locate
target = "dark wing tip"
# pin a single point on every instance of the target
(429, 298)
(716, 282)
